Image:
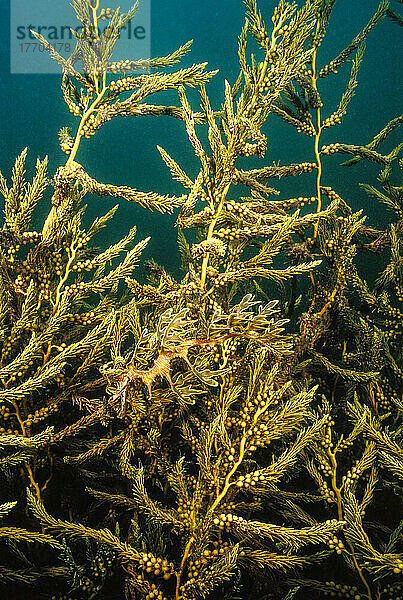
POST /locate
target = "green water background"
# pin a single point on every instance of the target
(124, 151)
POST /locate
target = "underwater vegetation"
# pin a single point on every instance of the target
(237, 433)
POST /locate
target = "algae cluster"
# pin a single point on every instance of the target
(227, 435)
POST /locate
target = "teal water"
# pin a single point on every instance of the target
(124, 151)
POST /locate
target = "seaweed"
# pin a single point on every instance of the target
(235, 433)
